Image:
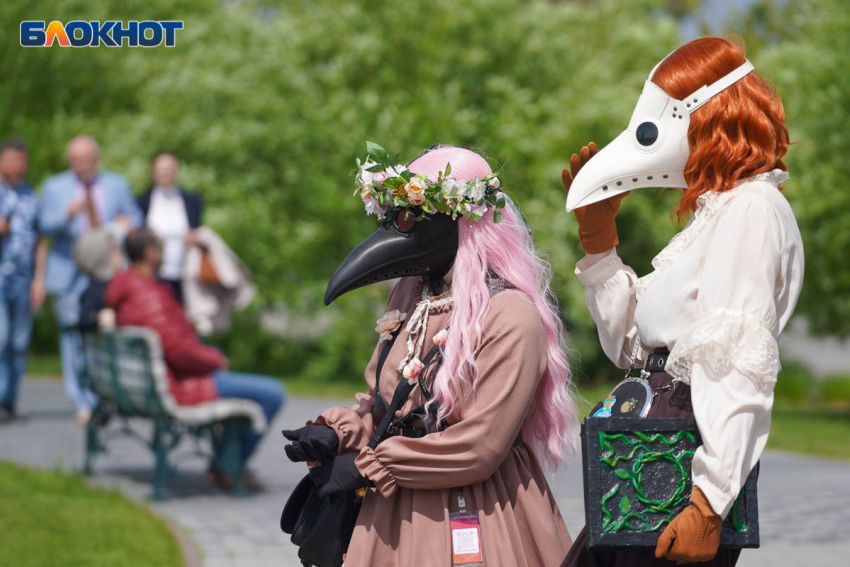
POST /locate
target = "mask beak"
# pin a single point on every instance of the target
(651, 152)
(388, 253)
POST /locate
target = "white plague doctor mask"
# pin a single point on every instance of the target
(653, 150)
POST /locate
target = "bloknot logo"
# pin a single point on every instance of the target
(111, 33)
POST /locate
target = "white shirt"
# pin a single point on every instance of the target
(167, 217)
(720, 294)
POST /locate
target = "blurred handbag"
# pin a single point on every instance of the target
(207, 274)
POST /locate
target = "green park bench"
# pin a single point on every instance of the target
(126, 369)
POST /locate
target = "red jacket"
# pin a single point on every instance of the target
(142, 302)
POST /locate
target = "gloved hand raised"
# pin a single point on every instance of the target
(694, 535)
(310, 443)
(596, 227)
(338, 474)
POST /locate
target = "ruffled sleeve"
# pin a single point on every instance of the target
(511, 361)
(729, 354)
(609, 289)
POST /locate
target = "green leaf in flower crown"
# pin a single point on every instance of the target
(406, 175)
(442, 207)
(448, 170)
(625, 505)
(500, 203)
(621, 473)
(376, 168)
(497, 217)
(373, 148)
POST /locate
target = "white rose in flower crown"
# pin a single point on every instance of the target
(373, 207)
(366, 177)
(450, 186)
(480, 210)
(495, 183)
(395, 170)
(415, 191)
(380, 177)
(475, 190)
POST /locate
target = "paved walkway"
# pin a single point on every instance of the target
(804, 502)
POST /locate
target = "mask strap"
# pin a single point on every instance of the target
(704, 93)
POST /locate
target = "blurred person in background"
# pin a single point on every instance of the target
(99, 256)
(196, 372)
(23, 255)
(75, 202)
(174, 214)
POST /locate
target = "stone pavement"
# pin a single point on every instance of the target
(804, 502)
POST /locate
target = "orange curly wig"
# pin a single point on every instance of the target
(738, 133)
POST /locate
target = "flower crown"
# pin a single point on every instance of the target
(382, 186)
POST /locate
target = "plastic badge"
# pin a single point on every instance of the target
(466, 536)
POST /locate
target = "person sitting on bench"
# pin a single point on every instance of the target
(196, 372)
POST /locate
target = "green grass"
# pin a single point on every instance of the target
(44, 365)
(56, 520)
(812, 428)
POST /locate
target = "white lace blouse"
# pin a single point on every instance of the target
(720, 294)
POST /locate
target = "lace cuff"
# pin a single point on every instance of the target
(722, 341)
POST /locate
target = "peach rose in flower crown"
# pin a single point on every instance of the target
(415, 191)
(388, 324)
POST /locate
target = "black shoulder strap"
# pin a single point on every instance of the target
(402, 391)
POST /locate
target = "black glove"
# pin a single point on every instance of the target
(338, 474)
(310, 443)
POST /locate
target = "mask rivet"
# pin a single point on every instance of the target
(665, 176)
(619, 183)
(689, 105)
(675, 109)
(649, 177)
(695, 100)
(604, 187)
(634, 179)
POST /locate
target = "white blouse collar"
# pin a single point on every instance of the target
(707, 205)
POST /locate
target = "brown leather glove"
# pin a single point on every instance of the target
(596, 227)
(693, 535)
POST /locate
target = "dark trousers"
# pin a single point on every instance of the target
(673, 403)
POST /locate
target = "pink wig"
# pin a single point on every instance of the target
(496, 255)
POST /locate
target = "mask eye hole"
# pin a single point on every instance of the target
(404, 221)
(646, 134)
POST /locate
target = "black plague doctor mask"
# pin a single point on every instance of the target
(419, 227)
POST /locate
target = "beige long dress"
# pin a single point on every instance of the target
(404, 520)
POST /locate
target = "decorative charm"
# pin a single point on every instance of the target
(628, 405)
(605, 410)
(382, 186)
(412, 370)
(389, 323)
(441, 338)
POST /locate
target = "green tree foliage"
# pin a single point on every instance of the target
(807, 56)
(268, 104)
